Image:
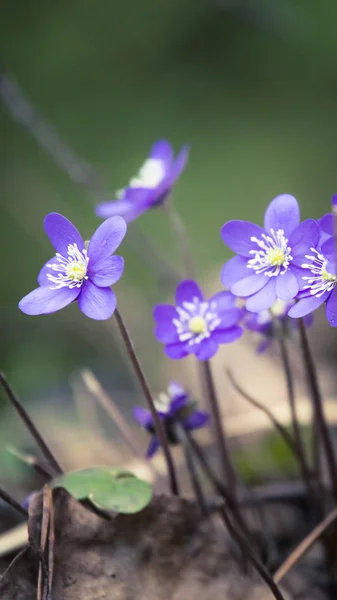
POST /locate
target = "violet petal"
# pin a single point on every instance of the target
(282, 213)
(233, 270)
(263, 299)
(286, 286)
(107, 271)
(96, 302)
(307, 305)
(43, 300)
(250, 285)
(61, 233)
(106, 239)
(187, 290)
(237, 235)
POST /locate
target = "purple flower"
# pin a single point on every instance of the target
(262, 322)
(268, 263)
(150, 187)
(319, 281)
(79, 271)
(195, 325)
(173, 407)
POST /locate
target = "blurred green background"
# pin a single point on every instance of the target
(252, 87)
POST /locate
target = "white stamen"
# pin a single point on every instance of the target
(149, 176)
(321, 280)
(273, 257)
(196, 321)
(71, 270)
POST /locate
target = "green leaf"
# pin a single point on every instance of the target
(109, 489)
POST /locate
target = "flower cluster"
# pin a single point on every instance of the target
(173, 407)
(285, 260)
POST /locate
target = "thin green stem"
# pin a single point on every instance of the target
(158, 425)
(180, 232)
(49, 456)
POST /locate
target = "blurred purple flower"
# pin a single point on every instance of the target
(77, 272)
(150, 187)
(173, 407)
(195, 325)
(268, 263)
(319, 281)
(262, 322)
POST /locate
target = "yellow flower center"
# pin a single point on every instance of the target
(275, 256)
(76, 271)
(197, 324)
(328, 276)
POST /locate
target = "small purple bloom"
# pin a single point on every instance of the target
(262, 322)
(334, 202)
(269, 260)
(173, 407)
(79, 271)
(150, 187)
(195, 325)
(319, 282)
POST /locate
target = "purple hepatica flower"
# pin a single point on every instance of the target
(268, 263)
(78, 272)
(173, 407)
(319, 282)
(262, 322)
(150, 187)
(195, 325)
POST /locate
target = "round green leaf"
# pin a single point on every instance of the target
(109, 489)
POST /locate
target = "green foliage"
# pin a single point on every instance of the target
(109, 489)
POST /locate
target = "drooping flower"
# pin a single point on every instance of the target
(150, 187)
(262, 322)
(268, 263)
(195, 325)
(319, 282)
(175, 406)
(79, 271)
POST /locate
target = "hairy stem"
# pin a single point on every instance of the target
(322, 427)
(158, 425)
(183, 439)
(49, 456)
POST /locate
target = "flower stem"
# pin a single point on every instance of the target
(300, 449)
(158, 425)
(322, 426)
(245, 547)
(30, 426)
(184, 440)
(13, 503)
(228, 472)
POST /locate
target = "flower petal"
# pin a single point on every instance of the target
(43, 300)
(230, 318)
(227, 336)
(177, 351)
(96, 302)
(107, 271)
(223, 301)
(178, 403)
(42, 278)
(249, 285)
(178, 165)
(153, 447)
(263, 299)
(326, 223)
(166, 333)
(233, 270)
(282, 213)
(305, 236)
(162, 150)
(196, 420)
(331, 308)
(307, 305)
(106, 239)
(164, 312)
(329, 249)
(142, 416)
(61, 233)
(237, 235)
(205, 349)
(176, 390)
(286, 286)
(187, 290)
